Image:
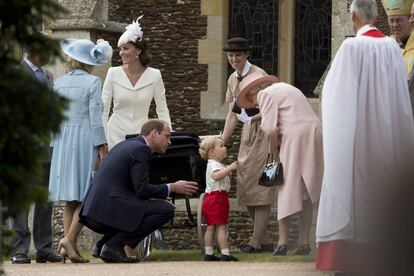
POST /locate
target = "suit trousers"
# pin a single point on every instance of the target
(156, 214)
(42, 229)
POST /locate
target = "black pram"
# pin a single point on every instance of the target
(181, 161)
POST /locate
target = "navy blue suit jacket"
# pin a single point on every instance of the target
(121, 187)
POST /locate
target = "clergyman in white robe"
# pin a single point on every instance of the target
(368, 137)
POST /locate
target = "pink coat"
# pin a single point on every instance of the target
(288, 120)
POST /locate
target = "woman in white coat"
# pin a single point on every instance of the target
(132, 87)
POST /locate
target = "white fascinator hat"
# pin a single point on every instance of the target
(86, 51)
(132, 34)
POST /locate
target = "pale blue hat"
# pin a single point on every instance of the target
(86, 51)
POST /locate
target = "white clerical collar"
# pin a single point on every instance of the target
(365, 29)
(31, 65)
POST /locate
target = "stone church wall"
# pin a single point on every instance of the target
(172, 31)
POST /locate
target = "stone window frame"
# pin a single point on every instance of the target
(212, 105)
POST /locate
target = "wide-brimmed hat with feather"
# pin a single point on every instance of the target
(132, 34)
(86, 51)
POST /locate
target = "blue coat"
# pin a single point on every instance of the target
(76, 146)
(121, 187)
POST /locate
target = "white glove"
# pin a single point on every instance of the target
(243, 117)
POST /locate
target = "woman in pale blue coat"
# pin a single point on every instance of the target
(81, 136)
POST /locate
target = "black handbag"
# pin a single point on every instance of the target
(272, 174)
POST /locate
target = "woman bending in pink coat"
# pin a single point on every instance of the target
(289, 122)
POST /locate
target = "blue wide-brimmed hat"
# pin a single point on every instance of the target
(86, 51)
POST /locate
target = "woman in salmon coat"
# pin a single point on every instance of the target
(289, 122)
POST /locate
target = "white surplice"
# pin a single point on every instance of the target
(368, 133)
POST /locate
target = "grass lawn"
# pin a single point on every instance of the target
(195, 255)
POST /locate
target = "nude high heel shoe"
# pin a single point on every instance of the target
(63, 254)
(70, 252)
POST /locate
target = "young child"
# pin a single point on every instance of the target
(216, 201)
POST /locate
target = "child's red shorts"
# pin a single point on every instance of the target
(216, 207)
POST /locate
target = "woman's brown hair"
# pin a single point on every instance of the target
(144, 56)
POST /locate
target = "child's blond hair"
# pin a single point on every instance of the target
(207, 145)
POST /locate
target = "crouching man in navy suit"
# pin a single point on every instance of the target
(121, 203)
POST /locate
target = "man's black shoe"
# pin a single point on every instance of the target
(20, 258)
(111, 255)
(228, 258)
(48, 257)
(210, 258)
(96, 250)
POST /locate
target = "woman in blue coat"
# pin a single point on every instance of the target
(81, 136)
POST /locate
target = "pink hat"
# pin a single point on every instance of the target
(249, 82)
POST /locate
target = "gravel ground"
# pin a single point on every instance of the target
(96, 267)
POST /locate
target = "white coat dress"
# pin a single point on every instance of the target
(131, 104)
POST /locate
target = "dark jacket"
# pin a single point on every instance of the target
(120, 188)
(49, 81)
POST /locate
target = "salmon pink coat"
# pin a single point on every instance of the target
(288, 120)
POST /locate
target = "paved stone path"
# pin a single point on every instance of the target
(97, 268)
